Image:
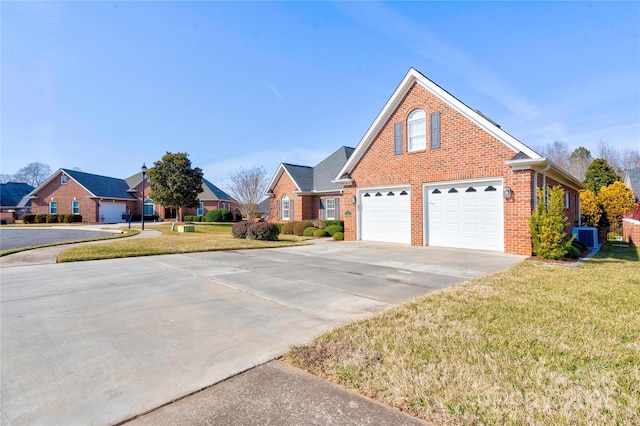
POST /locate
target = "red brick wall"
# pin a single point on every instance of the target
(64, 195)
(631, 231)
(466, 152)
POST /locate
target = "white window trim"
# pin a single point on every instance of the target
(63, 180)
(286, 207)
(417, 142)
(330, 211)
(51, 204)
(566, 199)
(72, 206)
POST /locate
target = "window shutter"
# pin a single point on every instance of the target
(278, 211)
(397, 138)
(321, 213)
(435, 130)
(338, 208)
(291, 216)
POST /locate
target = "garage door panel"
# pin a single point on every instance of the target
(465, 216)
(112, 212)
(385, 215)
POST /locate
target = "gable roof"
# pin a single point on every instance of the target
(14, 194)
(212, 192)
(521, 151)
(264, 206)
(96, 185)
(632, 180)
(315, 179)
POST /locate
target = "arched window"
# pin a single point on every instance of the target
(148, 207)
(285, 207)
(417, 131)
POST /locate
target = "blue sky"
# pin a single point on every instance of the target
(106, 86)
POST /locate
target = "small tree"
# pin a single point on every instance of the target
(599, 174)
(590, 209)
(33, 173)
(547, 225)
(615, 200)
(248, 187)
(174, 183)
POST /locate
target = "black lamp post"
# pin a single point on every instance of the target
(144, 177)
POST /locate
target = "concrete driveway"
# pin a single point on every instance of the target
(100, 342)
(11, 238)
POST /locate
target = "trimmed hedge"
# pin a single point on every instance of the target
(320, 233)
(338, 236)
(287, 228)
(299, 227)
(218, 215)
(51, 218)
(333, 222)
(192, 218)
(332, 229)
(255, 231)
(138, 218)
(309, 232)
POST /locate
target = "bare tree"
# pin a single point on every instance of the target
(4, 178)
(631, 159)
(579, 161)
(247, 187)
(558, 152)
(33, 173)
(619, 159)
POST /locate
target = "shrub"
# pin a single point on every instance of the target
(75, 218)
(309, 232)
(548, 223)
(240, 229)
(137, 218)
(280, 225)
(263, 231)
(41, 218)
(332, 229)
(580, 246)
(52, 218)
(338, 236)
(197, 218)
(29, 218)
(287, 228)
(218, 215)
(573, 253)
(320, 233)
(299, 227)
(319, 224)
(187, 218)
(333, 222)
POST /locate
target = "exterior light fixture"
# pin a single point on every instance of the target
(143, 169)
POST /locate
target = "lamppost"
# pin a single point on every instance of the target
(143, 169)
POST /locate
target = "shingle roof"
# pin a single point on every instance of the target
(325, 171)
(633, 179)
(101, 186)
(264, 206)
(212, 192)
(302, 175)
(12, 194)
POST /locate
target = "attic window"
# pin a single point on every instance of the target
(452, 191)
(63, 180)
(490, 188)
(436, 191)
(470, 189)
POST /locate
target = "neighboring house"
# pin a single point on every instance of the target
(210, 198)
(301, 192)
(14, 201)
(263, 209)
(632, 180)
(96, 198)
(432, 171)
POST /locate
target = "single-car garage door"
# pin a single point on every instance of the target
(465, 215)
(385, 215)
(111, 212)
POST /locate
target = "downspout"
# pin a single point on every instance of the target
(535, 183)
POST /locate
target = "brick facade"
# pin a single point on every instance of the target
(466, 152)
(631, 231)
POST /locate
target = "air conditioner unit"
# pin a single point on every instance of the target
(587, 235)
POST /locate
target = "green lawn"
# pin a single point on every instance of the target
(209, 237)
(536, 344)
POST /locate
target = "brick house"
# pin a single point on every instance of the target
(14, 201)
(301, 192)
(96, 198)
(104, 199)
(210, 198)
(432, 171)
(632, 181)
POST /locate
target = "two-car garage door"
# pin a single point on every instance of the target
(463, 215)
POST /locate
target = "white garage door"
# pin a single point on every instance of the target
(465, 215)
(385, 215)
(111, 212)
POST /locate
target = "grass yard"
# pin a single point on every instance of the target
(208, 237)
(536, 344)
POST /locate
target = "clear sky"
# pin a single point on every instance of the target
(106, 86)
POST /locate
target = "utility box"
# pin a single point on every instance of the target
(587, 235)
(186, 228)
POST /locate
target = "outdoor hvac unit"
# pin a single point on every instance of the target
(587, 235)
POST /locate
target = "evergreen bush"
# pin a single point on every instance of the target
(338, 236)
(309, 232)
(320, 233)
(263, 231)
(548, 223)
(240, 229)
(299, 227)
(287, 227)
(332, 229)
(218, 215)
